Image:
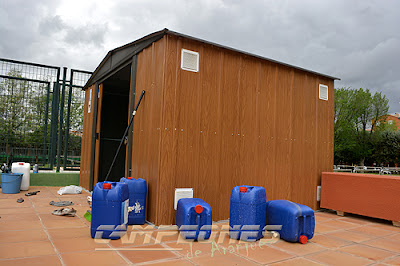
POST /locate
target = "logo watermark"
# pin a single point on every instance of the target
(222, 239)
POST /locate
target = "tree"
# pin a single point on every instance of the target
(387, 147)
(383, 125)
(75, 118)
(356, 113)
(380, 108)
(12, 108)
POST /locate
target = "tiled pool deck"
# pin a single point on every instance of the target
(31, 235)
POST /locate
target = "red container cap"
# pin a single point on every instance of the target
(106, 185)
(198, 209)
(303, 239)
(129, 177)
(21, 163)
(243, 189)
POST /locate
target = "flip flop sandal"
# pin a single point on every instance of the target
(20, 200)
(61, 203)
(71, 212)
(65, 212)
(31, 193)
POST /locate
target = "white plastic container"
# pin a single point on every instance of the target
(23, 168)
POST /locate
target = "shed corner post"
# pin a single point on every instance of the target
(93, 142)
(132, 96)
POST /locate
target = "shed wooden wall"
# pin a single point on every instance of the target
(239, 120)
(147, 123)
(84, 179)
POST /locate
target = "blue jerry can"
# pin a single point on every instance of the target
(194, 218)
(110, 201)
(137, 199)
(297, 220)
(247, 217)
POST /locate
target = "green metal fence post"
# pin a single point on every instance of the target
(68, 117)
(54, 123)
(61, 120)
(54, 119)
(46, 118)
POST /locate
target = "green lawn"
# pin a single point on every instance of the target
(55, 179)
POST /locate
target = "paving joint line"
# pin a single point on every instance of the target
(48, 234)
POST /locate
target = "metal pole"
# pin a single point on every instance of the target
(54, 123)
(46, 118)
(9, 107)
(54, 119)
(61, 120)
(12, 123)
(67, 122)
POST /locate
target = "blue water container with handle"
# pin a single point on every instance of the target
(194, 218)
(110, 202)
(137, 199)
(297, 220)
(247, 217)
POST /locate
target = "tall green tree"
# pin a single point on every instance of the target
(380, 108)
(386, 147)
(12, 108)
(356, 114)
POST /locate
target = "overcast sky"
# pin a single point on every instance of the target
(357, 41)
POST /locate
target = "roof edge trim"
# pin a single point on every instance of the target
(94, 77)
(159, 34)
(248, 54)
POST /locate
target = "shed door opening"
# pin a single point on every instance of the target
(114, 120)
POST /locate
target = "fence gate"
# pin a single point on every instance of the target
(41, 114)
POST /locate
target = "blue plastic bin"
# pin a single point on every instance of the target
(11, 182)
(247, 213)
(137, 199)
(110, 201)
(297, 220)
(194, 218)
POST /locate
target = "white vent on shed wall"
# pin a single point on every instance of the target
(182, 193)
(323, 92)
(190, 60)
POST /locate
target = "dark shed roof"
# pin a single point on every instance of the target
(120, 57)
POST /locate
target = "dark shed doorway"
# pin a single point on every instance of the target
(114, 120)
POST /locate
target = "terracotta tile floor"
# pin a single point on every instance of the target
(30, 235)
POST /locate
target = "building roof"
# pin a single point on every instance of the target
(120, 57)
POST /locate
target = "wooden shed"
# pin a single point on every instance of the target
(212, 118)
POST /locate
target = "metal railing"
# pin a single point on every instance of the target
(367, 169)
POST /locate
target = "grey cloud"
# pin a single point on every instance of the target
(355, 40)
(51, 25)
(88, 34)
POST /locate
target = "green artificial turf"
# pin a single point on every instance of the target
(54, 179)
